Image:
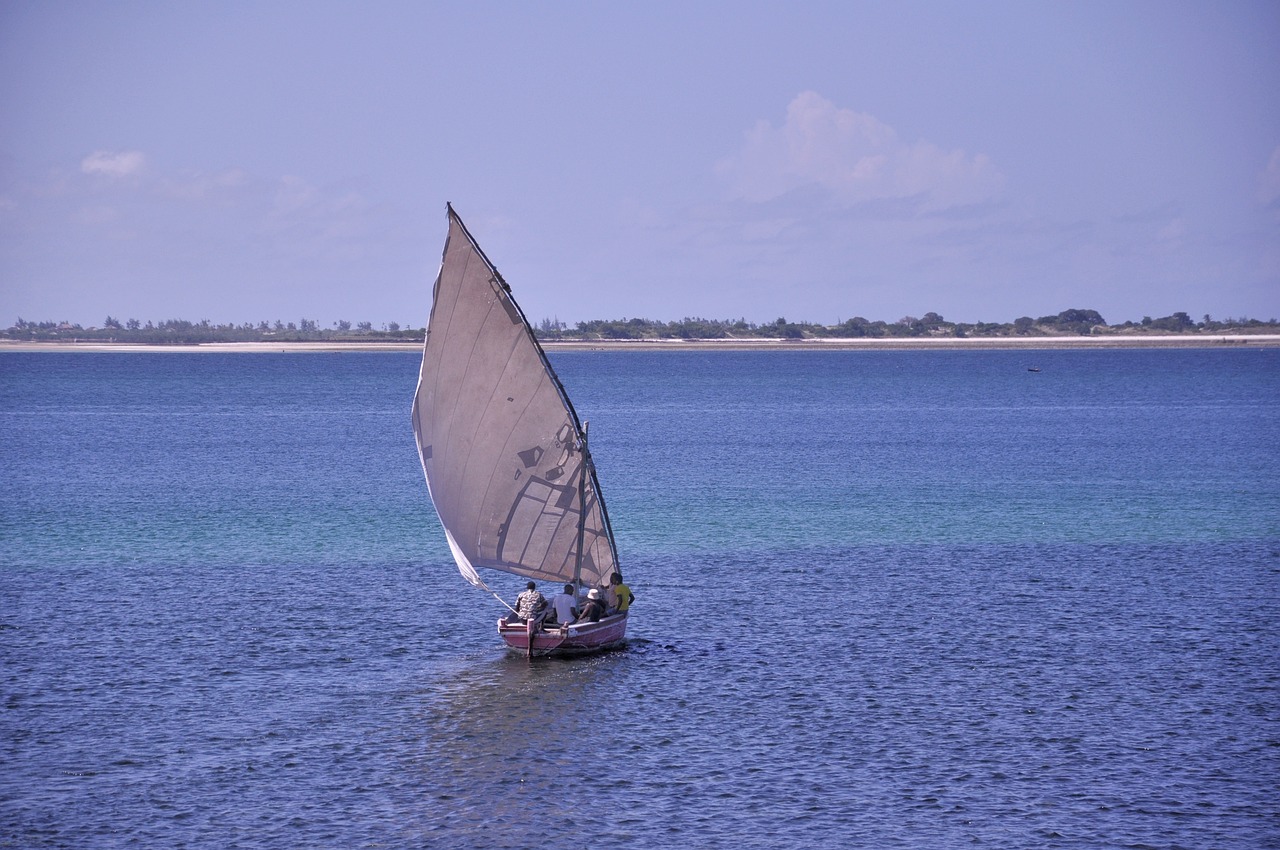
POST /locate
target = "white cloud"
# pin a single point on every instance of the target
(113, 164)
(855, 157)
(1174, 231)
(294, 195)
(97, 214)
(1269, 180)
(296, 199)
(199, 186)
(319, 221)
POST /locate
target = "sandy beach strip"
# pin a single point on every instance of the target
(1034, 343)
(210, 347)
(926, 343)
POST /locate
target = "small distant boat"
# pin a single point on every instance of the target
(1033, 368)
(504, 453)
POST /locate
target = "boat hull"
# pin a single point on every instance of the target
(579, 638)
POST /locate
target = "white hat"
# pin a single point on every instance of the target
(594, 594)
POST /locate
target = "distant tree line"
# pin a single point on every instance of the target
(182, 332)
(1068, 322)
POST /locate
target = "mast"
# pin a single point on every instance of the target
(582, 505)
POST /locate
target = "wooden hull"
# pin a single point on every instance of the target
(579, 638)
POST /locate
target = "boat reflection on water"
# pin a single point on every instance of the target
(492, 736)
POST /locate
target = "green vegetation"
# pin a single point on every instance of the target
(181, 332)
(1067, 323)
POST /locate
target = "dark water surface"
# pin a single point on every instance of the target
(884, 600)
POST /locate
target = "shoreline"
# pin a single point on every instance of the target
(924, 343)
(849, 344)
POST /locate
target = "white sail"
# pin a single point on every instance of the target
(501, 446)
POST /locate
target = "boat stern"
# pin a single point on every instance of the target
(610, 632)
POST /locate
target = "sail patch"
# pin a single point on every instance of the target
(535, 517)
(530, 457)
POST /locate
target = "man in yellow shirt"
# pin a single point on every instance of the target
(621, 592)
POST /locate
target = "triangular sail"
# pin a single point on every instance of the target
(501, 446)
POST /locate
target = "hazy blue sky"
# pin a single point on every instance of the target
(247, 161)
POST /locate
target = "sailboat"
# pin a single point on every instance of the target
(504, 453)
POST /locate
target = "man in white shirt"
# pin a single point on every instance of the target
(565, 605)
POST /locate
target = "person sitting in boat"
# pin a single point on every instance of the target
(621, 593)
(563, 606)
(530, 604)
(593, 608)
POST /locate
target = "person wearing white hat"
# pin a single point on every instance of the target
(593, 608)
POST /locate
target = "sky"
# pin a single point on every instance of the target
(814, 161)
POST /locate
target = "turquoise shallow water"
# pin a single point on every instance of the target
(885, 600)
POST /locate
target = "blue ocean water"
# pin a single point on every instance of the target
(899, 599)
